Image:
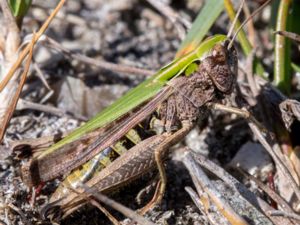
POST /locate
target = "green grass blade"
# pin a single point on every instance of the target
(296, 67)
(19, 7)
(205, 19)
(282, 60)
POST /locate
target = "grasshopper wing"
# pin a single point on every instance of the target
(74, 154)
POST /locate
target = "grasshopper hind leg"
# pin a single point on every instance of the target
(176, 112)
(159, 153)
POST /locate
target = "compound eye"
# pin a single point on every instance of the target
(219, 52)
(215, 53)
(216, 50)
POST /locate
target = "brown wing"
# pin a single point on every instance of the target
(74, 154)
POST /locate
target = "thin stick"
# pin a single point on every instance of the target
(202, 181)
(195, 198)
(212, 217)
(249, 18)
(19, 211)
(24, 104)
(277, 159)
(250, 26)
(233, 183)
(117, 206)
(277, 198)
(41, 75)
(26, 50)
(290, 35)
(293, 216)
(99, 63)
(14, 101)
(105, 211)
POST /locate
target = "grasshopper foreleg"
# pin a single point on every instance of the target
(240, 112)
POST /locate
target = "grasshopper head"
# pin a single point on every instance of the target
(223, 68)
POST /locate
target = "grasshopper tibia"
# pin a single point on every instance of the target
(159, 153)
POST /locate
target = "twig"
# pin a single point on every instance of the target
(26, 50)
(276, 98)
(233, 183)
(202, 181)
(199, 202)
(14, 100)
(284, 150)
(41, 75)
(106, 212)
(274, 152)
(117, 206)
(254, 86)
(195, 199)
(277, 198)
(275, 157)
(289, 35)
(285, 214)
(99, 63)
(250, 25)
(24, 104)
(19, 211)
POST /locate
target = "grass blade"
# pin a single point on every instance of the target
(201, 25)
(282, 61)
(242, 37)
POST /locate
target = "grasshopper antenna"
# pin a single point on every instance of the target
(249, 18)
(235, 19)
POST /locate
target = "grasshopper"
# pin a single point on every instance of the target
(166, 109)
(71, 152)
(173, 112)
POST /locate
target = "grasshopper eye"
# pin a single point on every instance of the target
(219, 53)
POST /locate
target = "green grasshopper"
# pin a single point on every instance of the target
(166, 105)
